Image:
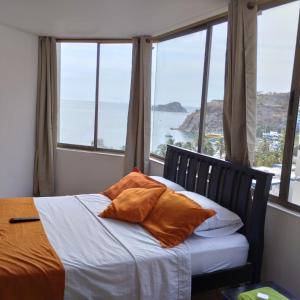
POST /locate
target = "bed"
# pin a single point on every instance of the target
(241, 189)
(110, 259)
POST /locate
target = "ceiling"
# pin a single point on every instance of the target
(105, 18)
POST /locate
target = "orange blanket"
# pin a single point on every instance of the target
(29, 267)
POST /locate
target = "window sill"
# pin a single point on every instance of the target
(157, 159)
(271, 202)
(284, 209)
(87, 149)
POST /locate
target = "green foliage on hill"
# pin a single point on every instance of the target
(212, 147)
(267, 156)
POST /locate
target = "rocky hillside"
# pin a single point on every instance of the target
(271, 114)
(272, 110)
(170, 107)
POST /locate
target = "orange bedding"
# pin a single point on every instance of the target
(29, 267)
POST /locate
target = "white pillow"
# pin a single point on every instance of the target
(224, 222)
(170, 184)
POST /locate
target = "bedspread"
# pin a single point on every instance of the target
(29, 266)
(109, 259)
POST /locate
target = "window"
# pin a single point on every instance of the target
(275, 52)
(188, 93)
(93, 112)
(278, 113)
(290, 182)
(213, 129)
(77, 93)
(185, 86)
(177, 94)
(114, 90)
(294, 188)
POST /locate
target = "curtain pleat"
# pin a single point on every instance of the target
(239, 113)
(46, 118)
(138, 125)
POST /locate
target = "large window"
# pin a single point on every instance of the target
(213, 138)
(275, 51)
(188, 91)
(177, 93)
(188, 74)
(294, 188)
(290, 181)
(94, 94)
(78, 64)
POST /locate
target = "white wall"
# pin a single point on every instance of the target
(79, 172)
(282, 249)
(156, 167)
(18, 76)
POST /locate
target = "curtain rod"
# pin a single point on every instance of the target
(190, 27)
(271, 3)
(94, 40)
(262, 4)
(265, 4)
(251, 4)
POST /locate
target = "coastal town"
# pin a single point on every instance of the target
(270, 132)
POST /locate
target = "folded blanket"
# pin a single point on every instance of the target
(251, 295)
(29, 266)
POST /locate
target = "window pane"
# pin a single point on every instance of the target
(277, 31)
(77, 92)
(295, 171)
(177, 92)
(114, 89)
(214, 140)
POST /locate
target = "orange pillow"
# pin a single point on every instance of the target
(132, 180)
(133, 205)
(174, 218)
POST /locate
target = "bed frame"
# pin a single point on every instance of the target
(241, 189)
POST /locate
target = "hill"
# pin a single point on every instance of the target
(170, 107)
(271, 114)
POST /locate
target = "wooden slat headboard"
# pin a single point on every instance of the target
(241, 189)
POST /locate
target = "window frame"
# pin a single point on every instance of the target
(291, 124)
(294, 100)
(98, 42)
(208, 26)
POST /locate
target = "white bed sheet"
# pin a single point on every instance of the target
(108, 259)
(213, 254)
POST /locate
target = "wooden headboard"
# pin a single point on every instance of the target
(241, 189)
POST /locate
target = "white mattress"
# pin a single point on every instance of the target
(106, 259)
(213, 254)
(110, 259)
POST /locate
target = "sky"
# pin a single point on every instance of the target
(177, 64)
(277, 31)
(78, 71)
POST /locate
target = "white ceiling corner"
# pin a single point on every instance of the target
(105, 18)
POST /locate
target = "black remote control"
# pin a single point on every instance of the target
(24, 219)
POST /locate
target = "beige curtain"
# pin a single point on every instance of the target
(239, 114)
(46, 118)
(138, 126)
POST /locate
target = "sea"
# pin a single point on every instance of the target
(77, 118)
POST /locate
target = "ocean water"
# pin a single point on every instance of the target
(76, 124)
